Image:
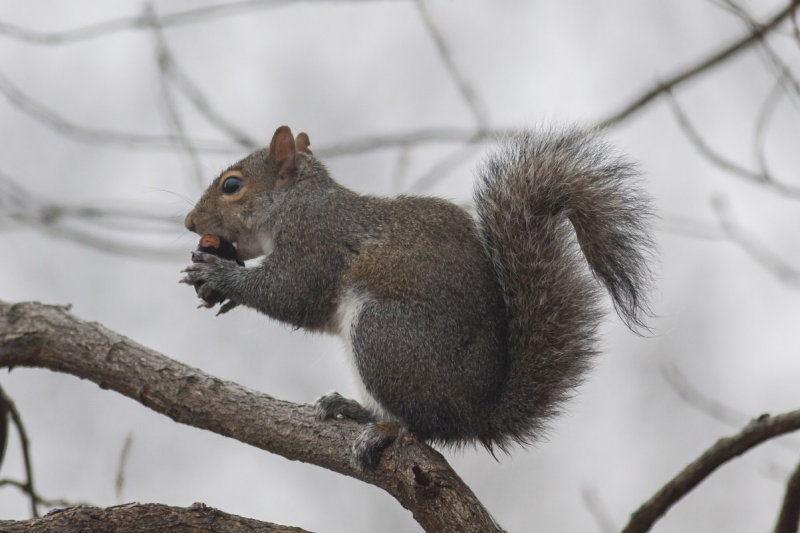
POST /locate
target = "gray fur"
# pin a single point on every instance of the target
(467, 331)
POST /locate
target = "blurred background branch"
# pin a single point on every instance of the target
(52, 219)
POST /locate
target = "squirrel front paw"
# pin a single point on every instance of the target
(207, 275)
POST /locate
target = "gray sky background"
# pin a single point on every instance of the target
(349, 70)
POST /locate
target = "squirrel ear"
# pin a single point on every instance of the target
(303, 142)
(282, 152)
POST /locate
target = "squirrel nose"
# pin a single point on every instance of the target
(189, 222)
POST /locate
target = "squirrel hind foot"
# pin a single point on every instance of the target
(370, 444)
(334, 405)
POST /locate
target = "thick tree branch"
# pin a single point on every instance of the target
(36, 335)
(143, 518)
(757, 431)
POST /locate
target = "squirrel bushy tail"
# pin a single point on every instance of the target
(549, 204)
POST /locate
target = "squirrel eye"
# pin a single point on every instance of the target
(231, 185)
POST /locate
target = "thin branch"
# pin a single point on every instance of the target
(701, 67)
(712, 407)
(690, 227)
(4, 426)
(196, 97)
(112, 230)
(400, 170)
(699, 400)
(775, 265)
(795, 28)
(143, 518)
(26, 450)
(699, 143)
(765, 115)
(40, 112)
(36, 335)
(466, 89)
(443, 167)
(789, 516)
(756, 432)
(729, 231)
(119, 479)
(163, 59)
(78, 132)
(774, 60)
(593, 502)
(46, 502)
(112, 26)
(21, 204)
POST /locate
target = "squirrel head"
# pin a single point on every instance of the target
(235, 203)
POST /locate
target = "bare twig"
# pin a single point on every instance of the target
(4, 423)
(78, 132)
(789, 516)
(466, 89)
(190, 90)
(728, 230)
(443, 167)
(690, 227)
(164, 59)
(46, 502)
(112, 230)
(775, 265)
(765, 115)
(400, 169)
(38, 111)
(701, 67)
(694, 397)
(26, 451)
(772, 58)
(757, 431)
(119, 480)
(711, 406)
(598, 510)
(703, 147)
(112, 26)
(795, 28)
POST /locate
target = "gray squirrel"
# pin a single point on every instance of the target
(461, 330)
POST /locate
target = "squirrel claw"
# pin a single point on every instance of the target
(227, 306)
(334, 405)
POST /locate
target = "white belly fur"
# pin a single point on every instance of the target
(348, 313)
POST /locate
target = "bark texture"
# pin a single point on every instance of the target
(143, 518)
(47, 336)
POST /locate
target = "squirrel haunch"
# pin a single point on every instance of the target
(460, 329)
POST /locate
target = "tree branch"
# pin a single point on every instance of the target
(27, 487)
(757, 431)
(111, 26)
(143, 518)
(790, 510)
(757, 33)
(46, 336)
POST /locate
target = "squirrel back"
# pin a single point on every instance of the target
(549, 204)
